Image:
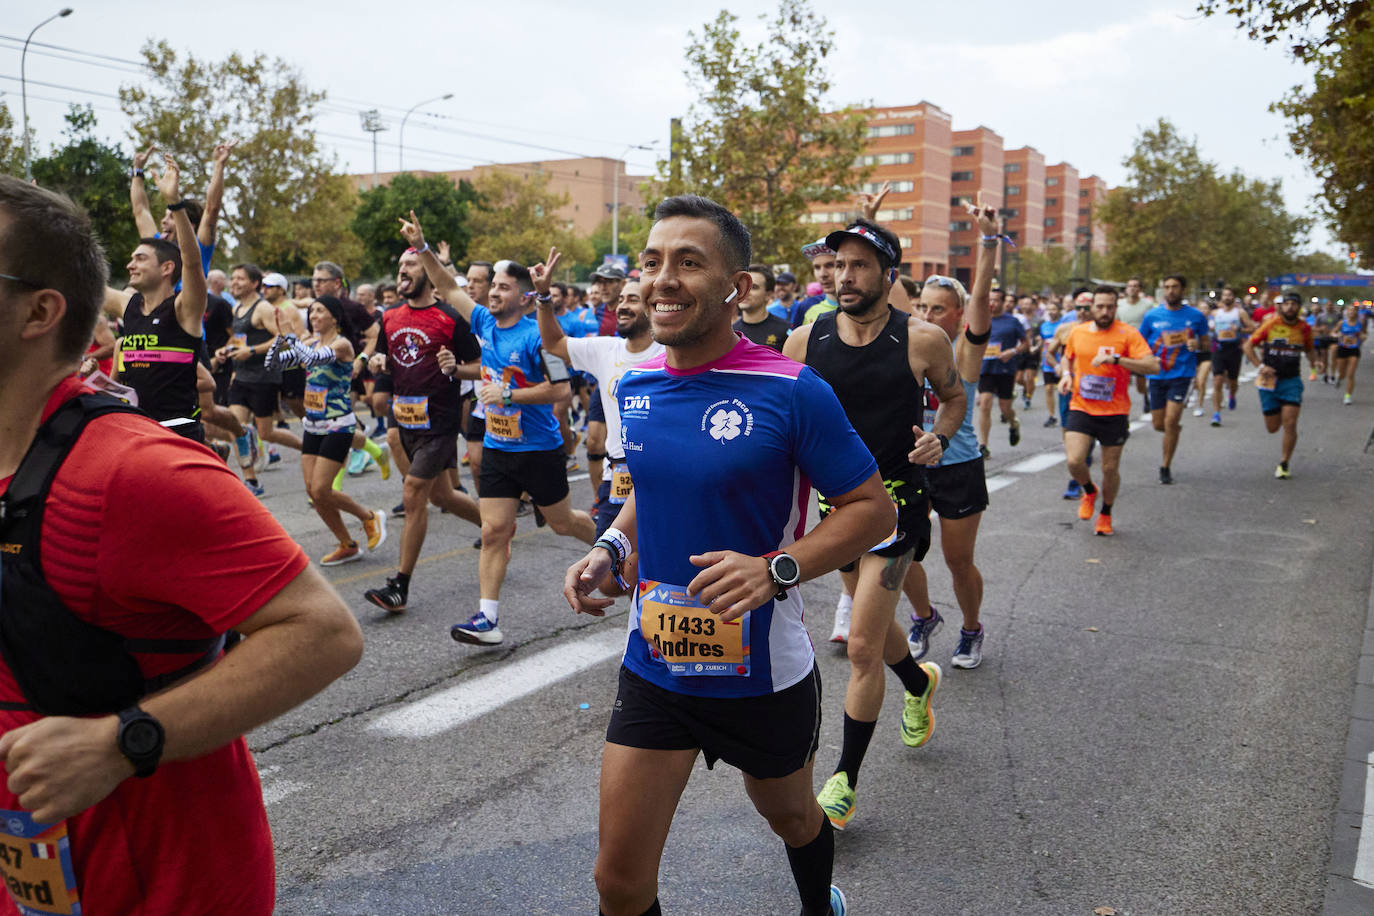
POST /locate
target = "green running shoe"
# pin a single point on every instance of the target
(918, 721)
(836, 799)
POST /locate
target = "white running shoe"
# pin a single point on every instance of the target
(840, 633)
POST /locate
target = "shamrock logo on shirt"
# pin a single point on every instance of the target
(725, 424)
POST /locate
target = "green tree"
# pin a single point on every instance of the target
(1031, 270)
(284, 206)
(515, 218)
(1176, 214)
(95, 175)
(1331, 125)
(1312, 25)
(442, 207)
(634, 235)
(762, 138)
(11, 144)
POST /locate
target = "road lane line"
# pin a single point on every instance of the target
(447, 709)
(1000, 481)
(1037, 463)
(274, 790)
(1364, 856)
(1138, 424)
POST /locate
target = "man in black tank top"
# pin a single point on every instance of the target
(877, 360)
(162, 328)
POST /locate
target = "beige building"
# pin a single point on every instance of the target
(589, 184)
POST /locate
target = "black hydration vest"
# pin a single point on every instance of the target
(874, 385)
(63, 665)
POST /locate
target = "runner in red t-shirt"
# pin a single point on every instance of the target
(124, 545)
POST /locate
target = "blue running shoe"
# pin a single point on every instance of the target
(837, 906)
(969, 652)
(922, 628)
(255, 488)
(1074, 491)
(357, 462)
(479, 631)
(1230, 402)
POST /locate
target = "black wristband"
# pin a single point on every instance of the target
(977, 339)
(179, 205)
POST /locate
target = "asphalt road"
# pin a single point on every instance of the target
(1158, 727)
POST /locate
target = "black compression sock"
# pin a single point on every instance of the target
(653, 910)
(403, 582)
(856, 737)
(1106, 509)
(1089, 488)
(912, 676)
(812, 866)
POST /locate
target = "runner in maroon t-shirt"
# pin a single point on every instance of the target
(422, 343)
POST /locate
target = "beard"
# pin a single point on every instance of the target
(636, 326)
(418, 288)
(867, 302)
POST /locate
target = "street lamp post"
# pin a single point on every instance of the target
(615, 195)
(24, 87)
(402, 138)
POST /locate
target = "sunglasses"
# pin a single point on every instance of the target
(21, 280)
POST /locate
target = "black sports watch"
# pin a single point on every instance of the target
(784, 570)
(944, 441)
(140, 738)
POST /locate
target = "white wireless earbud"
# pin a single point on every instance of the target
(731, 298)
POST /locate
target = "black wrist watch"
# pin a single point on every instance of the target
(784, 570)
(1116, 359)
(944, 441)
(140, 738)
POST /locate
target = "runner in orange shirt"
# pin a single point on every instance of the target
(1099, 357)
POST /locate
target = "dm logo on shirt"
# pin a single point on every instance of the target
(727, 420)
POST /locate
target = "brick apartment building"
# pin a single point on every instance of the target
(909, 147)
(978, 160)
(1061, 205)
(589, 184)
(927, 164)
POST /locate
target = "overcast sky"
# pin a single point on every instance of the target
(539, 79)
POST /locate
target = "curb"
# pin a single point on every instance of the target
(1350, 869)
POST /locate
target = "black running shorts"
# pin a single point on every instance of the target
(259, 397)
(329, 446)
(542, 474)
(1004, 386)
(958, 490)
(766, 737)
(430, 453)
(1226, 361)
(1111, 431)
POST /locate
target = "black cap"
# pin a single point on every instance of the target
(1292, 297)
(892, 256)
(787, 277)
(609, 272)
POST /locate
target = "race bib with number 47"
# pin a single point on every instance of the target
(36, 864)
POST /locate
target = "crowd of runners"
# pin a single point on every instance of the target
(707, 395)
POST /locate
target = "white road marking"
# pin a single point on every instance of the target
(1364, 856)
(447, 709)
(274, 790)
(1138, 424)
(1000, 481)
(1037, 463)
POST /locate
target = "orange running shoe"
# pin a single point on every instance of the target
(1104, 526)
(1085, 505)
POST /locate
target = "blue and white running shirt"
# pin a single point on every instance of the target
(723, 457)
